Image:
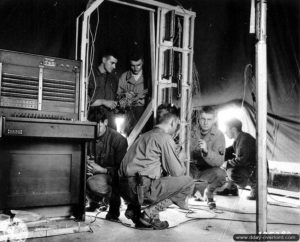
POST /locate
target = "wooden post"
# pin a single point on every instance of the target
(190, 96)
(153, 62)
(261, 120)
(85, 59)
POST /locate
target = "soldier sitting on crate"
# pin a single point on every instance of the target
(105, 154)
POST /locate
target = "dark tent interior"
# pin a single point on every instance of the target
(224, 53)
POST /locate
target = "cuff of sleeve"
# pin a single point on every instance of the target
(204, 154)
(110, 171)
(231, 162)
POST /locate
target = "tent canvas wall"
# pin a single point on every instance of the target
(224, 52)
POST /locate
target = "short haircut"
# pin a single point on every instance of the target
(167, 111)
(234, 122)
(135, 56)
(208, 109)
(109, 52)
(97, 115)
(136, 52)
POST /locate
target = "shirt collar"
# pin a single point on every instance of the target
(157, 128)
(239, 135)
(103, 135)
(99, 69)
(98, 72)
(130, 78)
(213, 130)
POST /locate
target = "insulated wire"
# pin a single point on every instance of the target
(191, 219)
(95, 217)
(275, 131)
(93, 36)
(294, 55)
(245, 82)
(290, 205)
(231, 218)
(92, 58)
(276, 124)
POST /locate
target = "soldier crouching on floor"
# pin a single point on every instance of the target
(207, 154)
(105, 154)
(151, 173)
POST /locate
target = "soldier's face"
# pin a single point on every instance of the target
(136, 66)
(174, 126)
(206, 121)
(102, 127)
(229, 132)
(109, 63)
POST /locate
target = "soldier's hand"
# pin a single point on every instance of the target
(110, 104)
(224, 165)
(203, 145)
(182, 155)
(96, 103)
(95, 168)
(130, 94)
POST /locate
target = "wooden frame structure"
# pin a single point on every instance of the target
(163, 85)
(171, 47)
(261, 119)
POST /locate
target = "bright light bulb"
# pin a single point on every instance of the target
(119, 123)
(226, 114)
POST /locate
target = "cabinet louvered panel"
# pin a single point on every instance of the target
(39, 86)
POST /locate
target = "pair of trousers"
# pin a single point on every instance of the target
(214, 177)
(242, 176)
(101, 186)
(176, 189)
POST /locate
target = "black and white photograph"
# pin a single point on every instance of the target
(149, 120)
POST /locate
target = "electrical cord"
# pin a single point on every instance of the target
(281, 203)
(93, 36)
(128, 225)
(221, 210)
(91, 59)
(119, 221)
(247, 73)
(290, 205)
(231, 219)
(193, 219)
(275, 131)
(246, 78)
(94, 216)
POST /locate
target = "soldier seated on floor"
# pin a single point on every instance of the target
(152, 174)
(104, 157)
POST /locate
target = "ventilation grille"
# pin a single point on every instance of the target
(19, 86)
(27, 87)
(59, 90)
